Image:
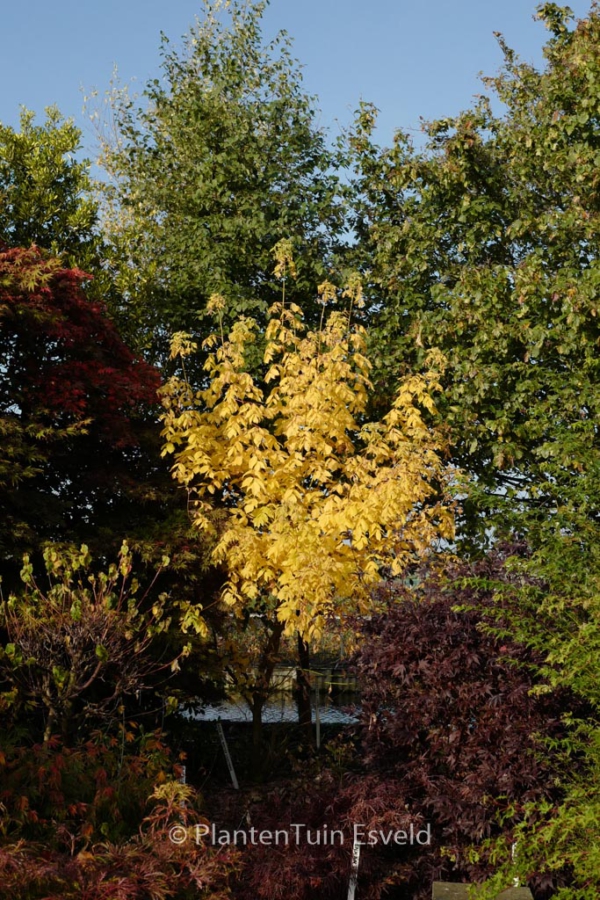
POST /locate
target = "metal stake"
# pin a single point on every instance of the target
(234, 780)
(354, 870)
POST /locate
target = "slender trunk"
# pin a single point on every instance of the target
(53, 711)
(303, 687)
(59, 723)
(265, 669)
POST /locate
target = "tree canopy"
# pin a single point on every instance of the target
(318, 500)
(75, 409)
(224, 160)
(45, 191)
(321, 456)
(485, 245)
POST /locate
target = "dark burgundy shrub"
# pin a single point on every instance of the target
(317, 865)
(448, 719)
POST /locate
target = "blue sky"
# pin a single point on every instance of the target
(410, 58)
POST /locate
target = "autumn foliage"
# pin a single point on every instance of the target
(64, 354)
(74, 407)
(93, 822)
(450, 720)
(318, 500)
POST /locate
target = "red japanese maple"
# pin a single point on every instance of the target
(61, 355)
(78, 425)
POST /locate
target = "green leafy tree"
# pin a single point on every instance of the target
(45, 190)
(224, 159)
(48, 198)
(486, 245)
(553, 608)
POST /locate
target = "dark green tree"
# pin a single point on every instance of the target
(223, 161)
(485, 243)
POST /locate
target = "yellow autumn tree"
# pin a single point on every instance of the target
(319, 503)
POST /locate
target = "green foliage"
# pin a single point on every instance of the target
(45, 192)
(557, 614)
(486, 245)
(76, 649)
(223, 160)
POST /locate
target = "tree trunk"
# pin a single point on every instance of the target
(303, 688)
(266, 667)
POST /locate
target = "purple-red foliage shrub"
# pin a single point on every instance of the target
(449, 719)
